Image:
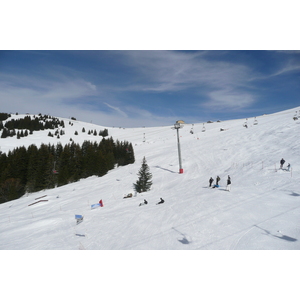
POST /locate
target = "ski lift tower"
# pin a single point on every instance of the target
(177, 126)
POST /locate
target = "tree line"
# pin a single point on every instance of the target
(4, 116)
(36, 168)
(40, 122)
(24, 126)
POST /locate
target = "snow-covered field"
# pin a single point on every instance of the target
(261, 212)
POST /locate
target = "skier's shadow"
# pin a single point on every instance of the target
(165, 169)
(283, 237)
(294, 194)
(184, 240)
(78, 234)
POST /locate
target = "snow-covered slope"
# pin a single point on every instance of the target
(261, 211)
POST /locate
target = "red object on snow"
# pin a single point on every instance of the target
(101, 203)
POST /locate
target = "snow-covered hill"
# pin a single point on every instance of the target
(261, 211)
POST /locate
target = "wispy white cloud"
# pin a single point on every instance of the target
(55, 90)
(228, 100)
(286, 66)
(286, 69)
(117, 110)
(23, 93)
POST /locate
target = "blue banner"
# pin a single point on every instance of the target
(95, 205)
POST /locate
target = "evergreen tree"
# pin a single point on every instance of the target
(103, 133)
(32, 168)
(5, 133)
(76, 162)
(11, 189)
(143, 184)
(12, 132)
(4, 116)
(65, 166)
(43, 168)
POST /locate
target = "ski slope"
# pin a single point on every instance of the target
(261, 212)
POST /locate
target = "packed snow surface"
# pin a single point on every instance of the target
(262, 210)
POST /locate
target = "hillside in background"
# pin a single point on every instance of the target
(261, 211)
(34, 168)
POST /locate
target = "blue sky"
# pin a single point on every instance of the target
(149, 88)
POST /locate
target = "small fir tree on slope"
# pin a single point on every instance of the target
(143, 184)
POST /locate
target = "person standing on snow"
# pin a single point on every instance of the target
(217, 183)
(210, 181)
(288, 167)
(282, 163)
(228, 184)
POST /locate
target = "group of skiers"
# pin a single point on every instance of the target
(282, 163)
(146, 202)
(228, 187)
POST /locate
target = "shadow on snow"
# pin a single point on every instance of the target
(184, 239)
(283, 237)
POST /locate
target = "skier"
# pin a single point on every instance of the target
(288, 167)
(228, 184)
(210, 181)
(161, 201)
(282, 163)
(217, 180)
(145, 202)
